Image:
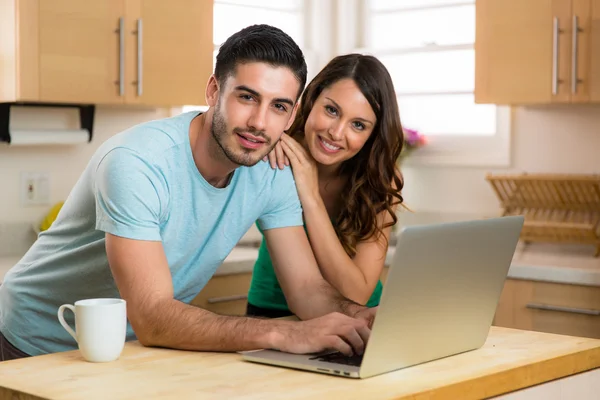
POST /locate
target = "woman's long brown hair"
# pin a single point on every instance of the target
(374, 181)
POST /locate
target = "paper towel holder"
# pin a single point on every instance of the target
(86, 116)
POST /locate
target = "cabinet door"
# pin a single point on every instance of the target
(522, 51)
(225, 294)
(172, 52)
(511, 311)
(79, 51)
(595, 51)
(579, 81)
(550, 307)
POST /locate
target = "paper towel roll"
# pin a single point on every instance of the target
(29, 137)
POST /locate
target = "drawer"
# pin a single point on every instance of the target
(225, 294)
(550, 307)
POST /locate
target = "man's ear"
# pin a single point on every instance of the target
(212, 91)
(293, 116)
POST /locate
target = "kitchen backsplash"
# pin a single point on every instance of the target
(16, 238)
(63, 164)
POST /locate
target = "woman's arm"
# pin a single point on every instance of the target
(354, 278)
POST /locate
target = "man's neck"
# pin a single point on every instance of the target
(208, 156)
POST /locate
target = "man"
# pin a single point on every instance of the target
(161, 205)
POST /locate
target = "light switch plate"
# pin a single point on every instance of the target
(35, 188)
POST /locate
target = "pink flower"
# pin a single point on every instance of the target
(412, 138)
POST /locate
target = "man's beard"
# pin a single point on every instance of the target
(246, 157)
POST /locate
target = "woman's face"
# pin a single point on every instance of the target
(339, 123)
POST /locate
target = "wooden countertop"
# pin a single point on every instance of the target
(510, 360)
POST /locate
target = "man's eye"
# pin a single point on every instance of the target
(281, 107)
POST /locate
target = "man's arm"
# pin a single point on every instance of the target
(142, 275)
(307, 293)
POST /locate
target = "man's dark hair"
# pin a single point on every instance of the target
(260, 43)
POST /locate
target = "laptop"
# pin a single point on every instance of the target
(439, 299)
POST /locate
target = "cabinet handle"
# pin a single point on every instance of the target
(547, 307)
(121, 31)
(574, 61)
(140, 56)
(225, 299)
(555, 33)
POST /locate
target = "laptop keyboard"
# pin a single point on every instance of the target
(339, 358)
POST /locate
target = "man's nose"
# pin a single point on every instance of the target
(258, 119)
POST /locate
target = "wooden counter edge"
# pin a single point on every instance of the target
(522, 377)
(479, 387)
(12, 394)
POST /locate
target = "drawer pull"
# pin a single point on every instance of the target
(225, 299)
(537, 306)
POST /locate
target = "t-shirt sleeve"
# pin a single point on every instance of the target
(129, 195)
(284, 207)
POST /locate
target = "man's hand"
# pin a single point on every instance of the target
(367, 315)
(332, 331)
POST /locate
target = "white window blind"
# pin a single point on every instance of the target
(428, 46)
(230, 16)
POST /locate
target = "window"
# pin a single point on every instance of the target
(428, 47)
(232, 15)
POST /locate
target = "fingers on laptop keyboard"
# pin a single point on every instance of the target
(339, 344)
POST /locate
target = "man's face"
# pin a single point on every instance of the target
(252, 109)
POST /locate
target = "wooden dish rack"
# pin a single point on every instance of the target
(559, 208)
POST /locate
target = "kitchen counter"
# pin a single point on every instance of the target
(540, 262)
(240, 260)
(509, 361)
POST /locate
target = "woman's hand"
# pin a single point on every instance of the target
(304, 168)
(276, 157)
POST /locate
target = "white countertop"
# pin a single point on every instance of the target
(540, 262)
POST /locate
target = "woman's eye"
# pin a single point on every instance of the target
(331, 110)
(358, 125)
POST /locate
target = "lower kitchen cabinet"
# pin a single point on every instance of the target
(225, 294)
(550, 307)
(228, 294)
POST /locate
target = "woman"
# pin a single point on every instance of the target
(343, 148)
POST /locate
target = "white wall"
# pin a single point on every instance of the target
(545, 139)
(555, 139)
(63, 163)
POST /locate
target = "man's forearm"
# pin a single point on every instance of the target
(177, 325)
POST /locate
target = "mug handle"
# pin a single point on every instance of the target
(62, 321)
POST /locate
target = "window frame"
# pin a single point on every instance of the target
(446, 149)
(316, 14)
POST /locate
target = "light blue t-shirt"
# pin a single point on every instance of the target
(140, 184)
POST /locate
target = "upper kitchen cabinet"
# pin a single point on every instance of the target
(537, 51)
(146, 52)
(172, 55)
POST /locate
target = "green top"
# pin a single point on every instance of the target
(265, 291)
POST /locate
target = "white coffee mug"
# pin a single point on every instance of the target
(100, 327)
